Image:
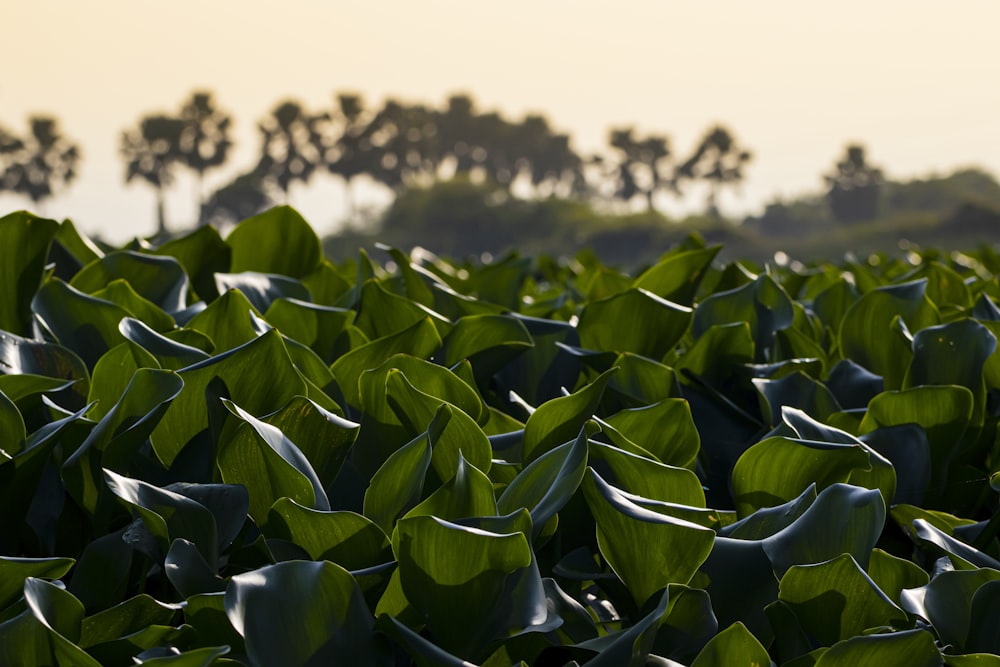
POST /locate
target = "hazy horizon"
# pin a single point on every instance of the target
(795, 82)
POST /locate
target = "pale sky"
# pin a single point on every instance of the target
(917, 81)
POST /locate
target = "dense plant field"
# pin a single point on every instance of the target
(235, 452)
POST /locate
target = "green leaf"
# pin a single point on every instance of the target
(647, 550)
(132, 615)
(227, 321)
(982, 637)
(892, 575)
(323, 437)
(489, 342)
(187, 570)
(944, 412)
(382, 432)
(85, 324)
(262, 458)
(202, 253)
(763, 304)
(559, 420)
(961, 554)
(912, 648)
(664, 324)
(206, 613)
(843, 519)
(459, 433)
(456, 578)
(645, 477)
(262, 289)
(717, 352)
(121, 293)
(24, 247)
(641, 381)
(240, 369)
(676, 276)
(734, 645)
(12, 433)
(419, 340)
(276, 241)
(168, 515)
(326, 285)
(350, 540)
(320, 327)
(79, 247)
(112, 374)
(167, 352)
(947, 602)
(547, 484)
(398, 484)
(428, 377)
(469, 493)
(796, 390)
(382, 313)
(116, 439)
(665, 429)
(777, 469)
(864, 335)
(303, 613)
(62, 615)
(14, 571)
(836, 600)
(157, 279)
(953, 354)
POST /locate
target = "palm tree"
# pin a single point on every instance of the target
(151, 153)
(718, 159)
(204, 140)
(40, 165)
(292, 145)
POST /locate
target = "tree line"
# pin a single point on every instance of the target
(400, 145)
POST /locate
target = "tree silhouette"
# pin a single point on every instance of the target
(546, 156)
(151, 153)
(292, 143)
(41, 164)
(718, 159)
(348, 151)
(854, 187)
(405, 144)
(10, 144)
(643, 166)
(204, 140)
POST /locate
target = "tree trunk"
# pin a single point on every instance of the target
(199, 185)
(351, 204)
(161, 218)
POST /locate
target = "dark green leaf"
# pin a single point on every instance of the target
(24, 246)
(303, 613)
(158, 279)
(646, 549)
(664, 324)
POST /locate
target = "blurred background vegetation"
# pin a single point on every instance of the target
(466, 181)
